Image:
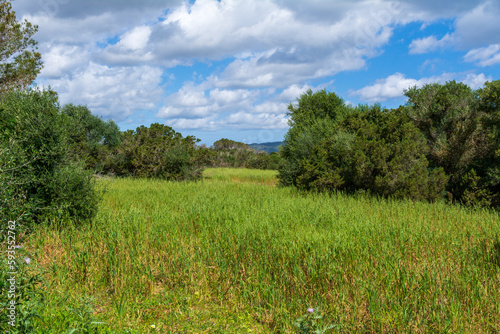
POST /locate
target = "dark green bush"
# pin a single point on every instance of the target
(158, 151)
(375, 151)
(363, 149)
(461, 127)
(39, 169)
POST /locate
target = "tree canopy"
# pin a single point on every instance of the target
(20, 62)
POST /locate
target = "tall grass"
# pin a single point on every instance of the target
(235, 257)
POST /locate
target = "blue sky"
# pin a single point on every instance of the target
(229, 68)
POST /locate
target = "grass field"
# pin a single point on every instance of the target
(235, 254)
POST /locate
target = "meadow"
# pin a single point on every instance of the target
(234, 253)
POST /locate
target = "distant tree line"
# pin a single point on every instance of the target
(443, 144)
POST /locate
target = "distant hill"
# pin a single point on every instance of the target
(268, 147)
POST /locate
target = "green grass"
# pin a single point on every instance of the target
(241, 175)
(234, 254)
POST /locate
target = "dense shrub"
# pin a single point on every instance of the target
(375, 151)
(313, 119)
(357, 149)
(444, 141)
(89, 137)
(38, 167)
(157, 151)
(461, 129)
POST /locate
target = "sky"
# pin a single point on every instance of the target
(230, 68)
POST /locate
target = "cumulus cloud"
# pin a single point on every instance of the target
(476, 81)
(117, 92)
(486, 56)
(62, 58)
(480, 26)
(241, 121)
(196, 101)
(111, 54)
(394, 85)
(431, 43)
(199, 107)
(476, 27)
(274, 43)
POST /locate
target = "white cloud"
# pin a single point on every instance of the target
(195, 101)
(61, 59)
(479, 27)
(486, 56)
(476, 81)
(111, 54)
(476, 27)
(235, 121)
(293, 92)
(394, 85)
(384, 89)
(136, 38)
(431, 43)
(276, 46)
(116, 92)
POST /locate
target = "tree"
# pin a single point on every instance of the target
(35, 162)
(448, 117)
(312, 119)
(373, 150)
(158, 151)
(90, 138)
(460, 125)
(20, 63)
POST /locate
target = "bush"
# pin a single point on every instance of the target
(363, 149)
(37, 159)
(312, 120)
(158, 151)
(375, 151)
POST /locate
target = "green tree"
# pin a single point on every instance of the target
(157, 151)
(36, 155)
(373, 150)
(460, 125)
(230, 153)
(312, 119)
(20, 63)
(90, 138)
(488, 166)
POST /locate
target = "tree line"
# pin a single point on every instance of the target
(444, 143)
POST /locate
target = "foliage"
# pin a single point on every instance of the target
(312, 322)
(312, 120)
(461, 129)
(157, 151)
(90, 138)
(356, 149)
(37, 160)
(443, 143)
(230, 153)
(19, 61)
(376, 151)
(489, 164)
(24, 288)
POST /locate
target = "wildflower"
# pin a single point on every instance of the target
(17, 246)
(27, 260)
(310, 310)
(153, 326)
